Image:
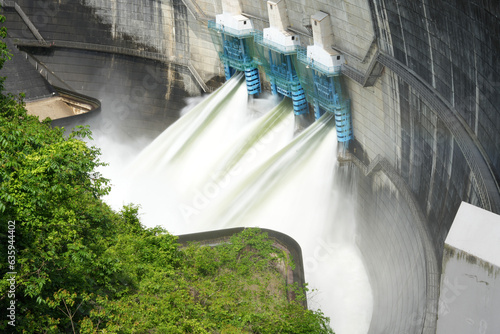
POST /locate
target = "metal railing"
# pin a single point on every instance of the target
(364, 79)
(353, 73)
(37, 98)
(106, 48)
(50, 76)
(125, 51)
(240, 65)
(30, 24)
(95, 104)
(191, 6)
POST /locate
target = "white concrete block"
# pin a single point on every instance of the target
(469, 301)
(278, 17)
(477, 232)
(322, 29)
(280, 37)
(236, 23)
(326, 58)
(231, 7)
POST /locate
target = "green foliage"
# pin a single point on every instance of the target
(235, 287)
(83, 268)
(4, 52)
(49, 186)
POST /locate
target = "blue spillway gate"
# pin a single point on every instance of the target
(235, 58)
(318, 84)
(328, 97)
(343, 122)
(284, 81)
(228, 71)
(300, 105)
(253, 81)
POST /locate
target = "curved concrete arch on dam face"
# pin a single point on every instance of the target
(140, 97)
(426, 123)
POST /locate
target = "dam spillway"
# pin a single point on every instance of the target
(423, 82)
(229, 163)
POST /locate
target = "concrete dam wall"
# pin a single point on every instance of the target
(424, 84)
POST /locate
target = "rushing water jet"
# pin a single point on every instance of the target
(217, 167)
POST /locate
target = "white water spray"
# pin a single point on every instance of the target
(219, 167)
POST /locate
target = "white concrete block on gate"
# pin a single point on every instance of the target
(280, 37)
(236, 23)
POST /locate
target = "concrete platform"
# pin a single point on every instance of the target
(52, 107)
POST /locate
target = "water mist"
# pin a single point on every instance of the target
(223, 165)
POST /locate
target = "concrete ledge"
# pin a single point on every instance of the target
(63, 105)
(52, 107)
(281, 241)
(74, 101)
(122, 51)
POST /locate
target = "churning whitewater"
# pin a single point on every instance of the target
(233, 161)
